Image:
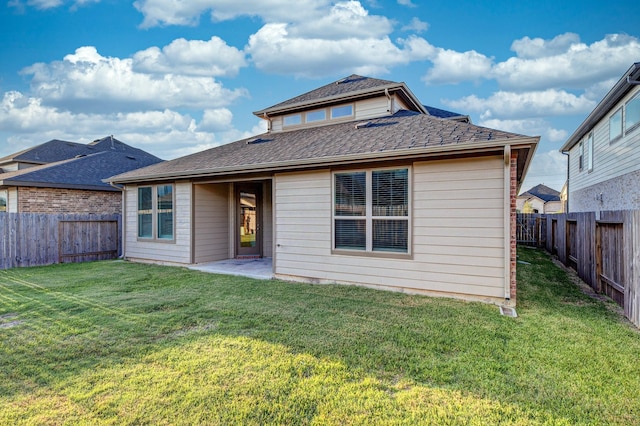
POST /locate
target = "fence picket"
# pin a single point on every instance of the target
(30, 239)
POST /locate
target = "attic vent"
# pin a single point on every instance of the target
(256, 141)
(131, 157)
(364, 124)
(344, 80)
(69, 144)
(80, 156)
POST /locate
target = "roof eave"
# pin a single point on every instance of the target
(19, 183)
(617, 92)
(344, 96)
(338, 160)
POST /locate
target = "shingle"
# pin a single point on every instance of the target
(404, 130)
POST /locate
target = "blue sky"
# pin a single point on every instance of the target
(175, 77)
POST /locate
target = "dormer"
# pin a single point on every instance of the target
(353, 98)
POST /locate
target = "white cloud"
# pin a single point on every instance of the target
(529, 104)
(407, 3)
(191, 57)
(344, 20)
(171, 12)
(96, 83)
(47, 4)
(452, 67)
(548, 168)
(166, 134)
(274, 49)
(529, 127)
(416, 25)
(565, 62)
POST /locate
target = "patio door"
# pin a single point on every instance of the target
(249, 219)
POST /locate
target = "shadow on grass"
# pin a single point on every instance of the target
(97, 338)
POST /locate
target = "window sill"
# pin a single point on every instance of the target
(156, 240)
(377, 254)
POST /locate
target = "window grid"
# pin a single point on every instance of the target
(383, 226)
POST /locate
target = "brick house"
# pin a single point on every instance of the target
(66, 177)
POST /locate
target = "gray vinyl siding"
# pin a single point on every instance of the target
(457, 233)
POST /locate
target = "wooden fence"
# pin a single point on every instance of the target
(603, 249)
(31, 239)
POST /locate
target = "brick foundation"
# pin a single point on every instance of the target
(60, 200)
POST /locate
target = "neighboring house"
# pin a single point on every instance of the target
(604, 151)
(67, 177)
(539, 199)
(354, 183)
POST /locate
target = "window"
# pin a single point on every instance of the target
(292, 120)
(3, 200)
(590, 152)
(615, 125)
(371, 211)
(632, 113)
(155, 212)
(318, 115)
(342, 111)
(581, 156)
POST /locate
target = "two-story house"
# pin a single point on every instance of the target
(604, 151)
(355, 182)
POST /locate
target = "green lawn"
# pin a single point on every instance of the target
(121, 343)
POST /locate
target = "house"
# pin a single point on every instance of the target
(539, 199)
(67, 177)
(604, 151)
(353, 183)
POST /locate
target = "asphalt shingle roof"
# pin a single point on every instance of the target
(405, 130)
(353, 83)
(58, 150)
(86, 172)
(543, 192)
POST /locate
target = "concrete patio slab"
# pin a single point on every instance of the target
(254, 268)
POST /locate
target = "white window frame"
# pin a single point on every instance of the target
(369, 217)
(155, 212)
(590, 152)
(581, 156)
(613, 138)
(634, 126)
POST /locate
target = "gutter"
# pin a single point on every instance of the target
(297, 164)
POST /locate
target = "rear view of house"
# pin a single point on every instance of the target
(604, 151)
(355, 182)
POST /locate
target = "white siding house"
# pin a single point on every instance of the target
(604, 152)
(354, 183)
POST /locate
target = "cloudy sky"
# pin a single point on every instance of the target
(176, 76)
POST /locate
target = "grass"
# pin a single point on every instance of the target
(121, 343)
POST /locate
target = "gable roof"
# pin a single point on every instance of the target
(85, 172)
(542, 192)
(58, 150)
(443, 113)
(354, 86)
(630, 78)
(405, 134)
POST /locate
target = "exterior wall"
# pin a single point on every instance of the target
(620, 193)
(553, 207)
(456, 251)
(170, 252)
(211, 222)
(59, 200)
(615, 164)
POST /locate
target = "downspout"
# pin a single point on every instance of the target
(507, 222)
(122, 216)
(266, 117)
(389, 104)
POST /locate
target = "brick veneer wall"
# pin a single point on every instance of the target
(514, 252)
(59, 200)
